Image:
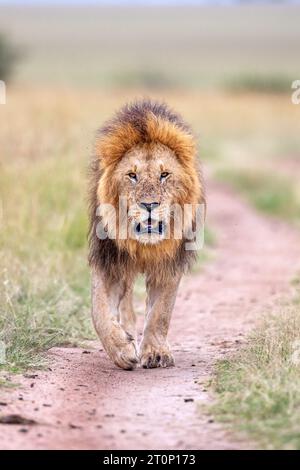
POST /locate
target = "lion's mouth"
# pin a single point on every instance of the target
(149, 227)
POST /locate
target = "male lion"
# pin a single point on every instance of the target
(146, 156)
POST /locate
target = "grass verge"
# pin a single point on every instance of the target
(259, 83)
(271, 194)
(44, 277)
(258, 389)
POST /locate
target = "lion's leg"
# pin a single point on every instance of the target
(126, 312)
(154, 348)
(118, 344)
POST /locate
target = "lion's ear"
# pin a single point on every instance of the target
(112, 144)
(173, 136)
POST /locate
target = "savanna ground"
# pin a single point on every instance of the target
(232, 83)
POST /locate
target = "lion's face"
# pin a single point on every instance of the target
(151, 180)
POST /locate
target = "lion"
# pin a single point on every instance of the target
(146, 156)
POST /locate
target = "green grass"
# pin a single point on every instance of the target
(257, 390)
(41, 308)
(8, 56)
(260, 83)
(268, 192)
(44, 277)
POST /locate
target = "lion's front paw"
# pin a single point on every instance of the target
(155, 356)
(126, 358)
(121, 348)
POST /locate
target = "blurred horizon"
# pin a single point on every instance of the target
(158, 47)
(145, 2)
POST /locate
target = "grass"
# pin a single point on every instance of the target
(44, 295)
(8, 56)
(146, 78)
(40, 309)
(270, 193)
(257, 390)
(191, 46)
(260, 83)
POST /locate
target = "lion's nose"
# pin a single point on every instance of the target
(149, 206)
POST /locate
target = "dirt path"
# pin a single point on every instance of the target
(84, 402)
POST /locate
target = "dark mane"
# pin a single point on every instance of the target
(136, 114)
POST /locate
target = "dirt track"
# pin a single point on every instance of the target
(84, 402)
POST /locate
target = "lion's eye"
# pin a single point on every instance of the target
(164, 175)
(132, 176)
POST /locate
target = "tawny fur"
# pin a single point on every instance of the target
(141, 123)
(146, 137)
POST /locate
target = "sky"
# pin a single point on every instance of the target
(136, 2)
(142, 2)
(101, 2)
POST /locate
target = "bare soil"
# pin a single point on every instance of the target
(84, 402)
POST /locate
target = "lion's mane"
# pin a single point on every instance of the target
(141, 122)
